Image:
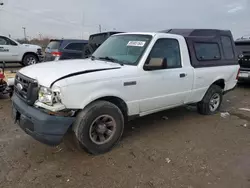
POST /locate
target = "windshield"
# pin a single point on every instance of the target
(55, 44)
(125, 49)
(242, 47)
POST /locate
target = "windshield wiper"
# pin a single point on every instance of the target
(113, 60)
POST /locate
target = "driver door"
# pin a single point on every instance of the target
(8, 50)
(166, 86)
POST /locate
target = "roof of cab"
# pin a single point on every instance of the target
(107, 32)
(138, 33)
(197, 32)
(187, 33)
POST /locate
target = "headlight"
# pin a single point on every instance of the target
(241, 56)
(46, 96)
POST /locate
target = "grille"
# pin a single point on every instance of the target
(26, 88)
(245, 61)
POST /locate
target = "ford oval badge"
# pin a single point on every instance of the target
(19, 87)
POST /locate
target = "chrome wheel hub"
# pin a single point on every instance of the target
(102, 129)
(214, 102)
(31, 61)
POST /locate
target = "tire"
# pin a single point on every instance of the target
(88, 131)
(29, 59)
(205, 107)
(87, 51)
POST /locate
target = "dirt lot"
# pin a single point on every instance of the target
(176, 148)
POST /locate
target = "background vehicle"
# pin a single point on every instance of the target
(95, 41)
(12, 51)
(64, 49)
(6, 80)
(243, 52)
(130, 75)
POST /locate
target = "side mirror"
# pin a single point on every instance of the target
(155, 64)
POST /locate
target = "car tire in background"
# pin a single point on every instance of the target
(88, 50)
(29, 59)
(99, 127)
(211, 102)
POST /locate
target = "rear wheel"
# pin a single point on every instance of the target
(99, 127)
(211, 102)
(29, 59)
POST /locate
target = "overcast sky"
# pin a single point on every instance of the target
(79, 18)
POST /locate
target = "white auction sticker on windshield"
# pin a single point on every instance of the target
(136, 43)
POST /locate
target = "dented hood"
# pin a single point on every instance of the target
(49, 72)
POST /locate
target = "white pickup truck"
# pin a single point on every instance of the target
(12, 51)
(129, 75)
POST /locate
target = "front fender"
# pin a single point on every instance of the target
(78, 96)
(101, 94)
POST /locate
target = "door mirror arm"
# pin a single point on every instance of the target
(155, 64)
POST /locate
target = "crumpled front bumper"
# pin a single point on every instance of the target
(43, 127)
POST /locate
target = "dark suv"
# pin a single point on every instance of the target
(95, 41)
(243, 52)
(64, 49)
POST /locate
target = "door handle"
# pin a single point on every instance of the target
(1, 47)
(182, 75)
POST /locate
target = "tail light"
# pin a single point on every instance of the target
(237, 77)
(56, 54)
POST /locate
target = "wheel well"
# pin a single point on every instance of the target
(118, 102)
(220, 83)
(27, 53)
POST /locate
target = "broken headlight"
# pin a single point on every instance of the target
(47, 96)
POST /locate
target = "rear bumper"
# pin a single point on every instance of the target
(41, 126)
(244, 75)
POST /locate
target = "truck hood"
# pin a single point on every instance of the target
(48, 73)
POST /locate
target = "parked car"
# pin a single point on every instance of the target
(13, 51)
(130, 75)
(243, 53)
(95, 41)
(64, 49)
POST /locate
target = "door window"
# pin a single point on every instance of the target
(227, 47)
(207, 51)
(75, 46)
(3, 41)
(165, 52)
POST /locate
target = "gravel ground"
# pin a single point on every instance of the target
(175, 148)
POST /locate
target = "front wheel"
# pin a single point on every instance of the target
(99, 127)
(29, 59)
(211, 102)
